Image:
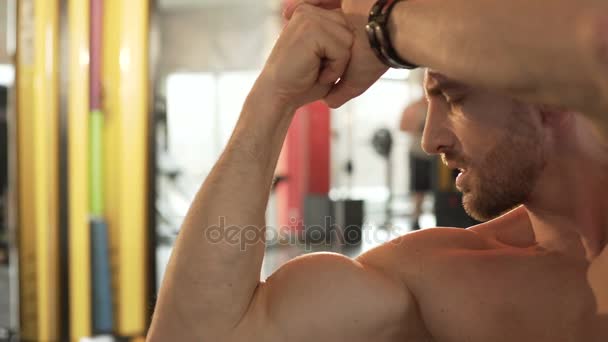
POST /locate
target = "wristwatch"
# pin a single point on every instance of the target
(379, 38)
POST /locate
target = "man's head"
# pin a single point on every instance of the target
(498, 144)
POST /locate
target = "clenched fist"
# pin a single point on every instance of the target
(309, 57)
(364, 68)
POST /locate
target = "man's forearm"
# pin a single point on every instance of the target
(215, 267)
(530, 49)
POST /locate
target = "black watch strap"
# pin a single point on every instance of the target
(379, 39)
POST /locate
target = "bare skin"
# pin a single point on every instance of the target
(412, 118)
(550, 54)
(537, 273)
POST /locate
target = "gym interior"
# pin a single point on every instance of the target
(113, 112)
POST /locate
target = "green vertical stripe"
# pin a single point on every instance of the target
(96, 163)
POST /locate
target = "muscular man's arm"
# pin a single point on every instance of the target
(212, 289)
(215, 267)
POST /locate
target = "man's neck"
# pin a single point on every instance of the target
(571, 217)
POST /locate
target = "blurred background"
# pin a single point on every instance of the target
(112, 113)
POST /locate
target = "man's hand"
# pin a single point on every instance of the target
(364, 68)
(311, 54)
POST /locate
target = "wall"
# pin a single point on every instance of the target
(4, 24)
(216, 39)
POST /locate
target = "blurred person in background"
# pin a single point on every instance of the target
(421, 163)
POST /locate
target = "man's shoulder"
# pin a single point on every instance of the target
(417, 248)
(421, 247)
(511, 229)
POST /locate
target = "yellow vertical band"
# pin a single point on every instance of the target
(46, 135)
(78, 115)
(125, 79)
(38, 133)
(28, 277)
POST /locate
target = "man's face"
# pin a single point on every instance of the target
(495, 141)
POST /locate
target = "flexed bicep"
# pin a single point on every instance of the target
(329, 297)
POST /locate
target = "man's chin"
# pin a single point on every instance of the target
(480, 210)
(475, 214)
(477, 209)
(467, 205)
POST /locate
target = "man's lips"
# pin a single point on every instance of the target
(455, 166)
(461, 178)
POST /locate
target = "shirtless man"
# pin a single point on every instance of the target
(537, 273)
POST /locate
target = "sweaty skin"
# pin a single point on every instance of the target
(532, 50)
(537, 273)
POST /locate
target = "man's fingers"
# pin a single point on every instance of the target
(340, 94)
(311, 54)
(333, 70)
(312, 12)
(336, 42)
(327, 4)
(333, 38)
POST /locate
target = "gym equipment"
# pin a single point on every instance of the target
(103, 317)
(79, 237)
(339, 221)
(102, 311)
(126, 127)
(38, 169)
(119, 244)
(318, 218)
(348, 215)
(382, 142)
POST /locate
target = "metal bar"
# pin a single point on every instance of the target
(13, 179)
(96, 36)
(38, 128)
(46, 138)
(125, 71)
(63, 178)
(78, 140)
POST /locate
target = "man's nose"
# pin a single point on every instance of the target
(437, 135)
